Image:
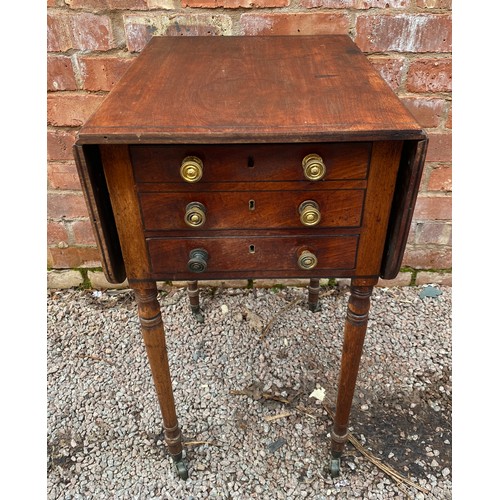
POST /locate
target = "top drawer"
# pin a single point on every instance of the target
(250, 162)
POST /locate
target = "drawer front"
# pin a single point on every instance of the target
(257, 256)
(251, 209)
(250, 163)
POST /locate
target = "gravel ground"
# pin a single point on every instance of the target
(104, 427)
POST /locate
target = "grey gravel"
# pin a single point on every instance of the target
(104, 426)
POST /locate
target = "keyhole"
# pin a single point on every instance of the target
(250, 162)
(251, 248)
(251, 205)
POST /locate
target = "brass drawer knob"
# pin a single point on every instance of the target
(309, 213)
(198, 260)
(191, 169)
(314, 168)
(307, 260)
(195, 214)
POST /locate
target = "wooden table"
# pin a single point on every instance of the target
(251, 157)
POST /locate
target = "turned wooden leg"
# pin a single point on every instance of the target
(154, 340)
(314, 289)
(194, 300)
(354, 335)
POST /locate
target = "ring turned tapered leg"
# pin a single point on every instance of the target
(314, 290)
(354, 336)
(154, 340)
(194, 300)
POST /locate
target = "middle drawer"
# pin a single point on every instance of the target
(250, 209)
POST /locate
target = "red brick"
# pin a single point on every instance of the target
(81, 31)
(448, 119)
(137, 35)
(235, 4)
(83, 233)
(60, 144)
(107, 4)
(71, 110)
(162, 4)
(427, 277)
(427, 257)
(73, 257)
(434, 4)
(427, 111)
(56, 232)
(440, 179)
(101, 73)
(429, 75)
(59, 38)
(391, 70)
(439, 148)
(66, 206)
(292, 24)
(140, 29)
(404, 33)
(432, 208)
(412, 234)
(435, 233)
(188, 29)
(63, 175)
(92, 32)
(60, 74)
(355, 4)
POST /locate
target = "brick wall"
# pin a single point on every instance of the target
(92, 42)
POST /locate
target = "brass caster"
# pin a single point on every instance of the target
(335, 467)
(181, 469)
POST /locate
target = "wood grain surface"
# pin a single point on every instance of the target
(250, 89)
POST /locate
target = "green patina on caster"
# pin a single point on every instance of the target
(198, 316)
(181, 469)
(335, 467)
(314, 308)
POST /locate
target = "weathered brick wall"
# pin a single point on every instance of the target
(92, 42)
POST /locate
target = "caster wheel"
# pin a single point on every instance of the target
(181, 469)
(198, 316)
(335, 467)
(314, 308)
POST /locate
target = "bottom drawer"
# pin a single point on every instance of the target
(251, 257)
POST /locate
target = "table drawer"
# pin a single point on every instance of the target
(250, 162)
(251, 209)
(257, 255)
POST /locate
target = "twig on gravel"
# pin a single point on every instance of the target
(94, 358)
(289, 306)
(200, 443)
(258, 395)
(282, 311)
(303, 410)
(392, 473)
(385, 468)
(328, 293)
(271, 418)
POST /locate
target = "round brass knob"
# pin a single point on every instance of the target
(309, 213)
(307, 260)
(314, 168)
(191, 169)
(195, 214)
(198, 260)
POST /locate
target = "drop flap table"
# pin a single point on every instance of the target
(251, 157)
